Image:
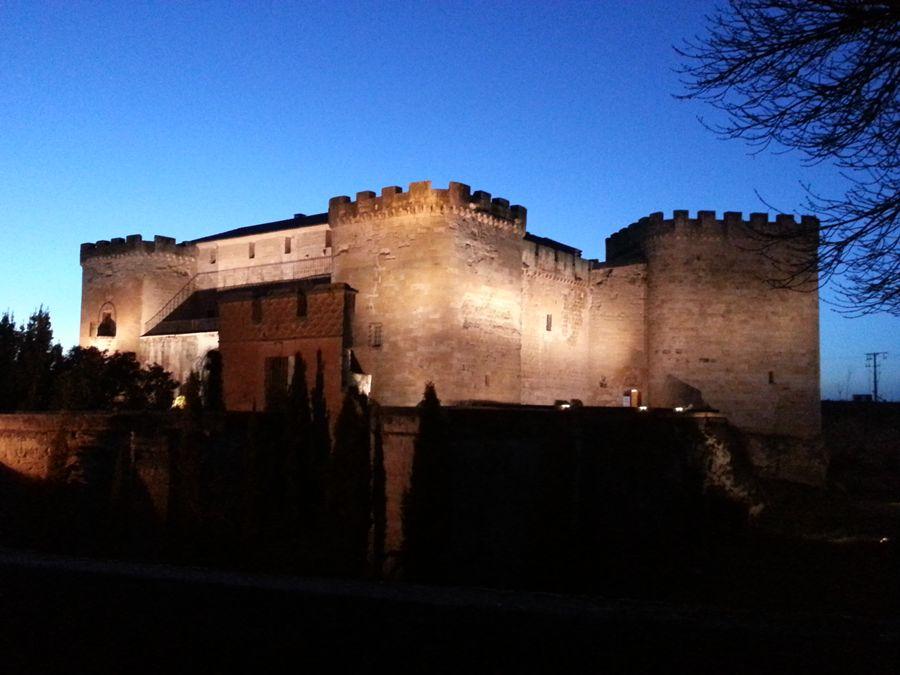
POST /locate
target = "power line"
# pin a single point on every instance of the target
(872, 362)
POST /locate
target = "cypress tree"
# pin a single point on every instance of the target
(349, 494)
(297, 427)
(319, 453)
(38, 358)
(10, 343)
(321, 431)
(212, 390)
(379, 491)
(426, 504)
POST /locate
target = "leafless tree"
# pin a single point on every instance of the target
(821, 77)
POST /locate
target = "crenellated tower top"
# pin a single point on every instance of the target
(134, 244)
(422, 199)
(630, 243)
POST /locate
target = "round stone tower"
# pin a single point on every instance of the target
(124, 283)
(719, 334)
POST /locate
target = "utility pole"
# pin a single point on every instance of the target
(872, 362)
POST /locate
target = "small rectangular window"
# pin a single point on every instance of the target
(212, 256)
(374, 334)
(287, 244)
(771, 377)
(549, 322)
(251, 250)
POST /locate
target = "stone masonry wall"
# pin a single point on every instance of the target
(292, 244)
(556, 331)
(178, 354)
(617, 358)
(134, 278)
(716, 325)
(439, 281)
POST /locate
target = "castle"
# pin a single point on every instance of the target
(446, 285)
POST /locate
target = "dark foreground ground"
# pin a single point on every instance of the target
(83, 616)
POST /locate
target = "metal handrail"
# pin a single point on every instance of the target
(286, 270)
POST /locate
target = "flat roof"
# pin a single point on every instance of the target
(299, 220)
(552, 243)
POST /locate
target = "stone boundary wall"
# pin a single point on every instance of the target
(29, 442)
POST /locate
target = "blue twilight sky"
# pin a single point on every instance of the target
(186, 119)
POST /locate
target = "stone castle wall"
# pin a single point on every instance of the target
(452, 290)
(132, 279)
(439, 281)
(292, 244)
(178, 354)
(617, 357)
(556, 335)
(718, 331)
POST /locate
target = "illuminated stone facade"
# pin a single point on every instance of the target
(448, 287)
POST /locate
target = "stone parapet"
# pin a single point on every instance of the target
(630, 243)
(134, 244)
(422, 198)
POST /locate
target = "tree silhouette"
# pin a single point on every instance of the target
(321, 429)
(426, 504)
(191, 390)
(379, 491)
(36, 362)
(212, 389)
(88, 379)
(821, 77)
(10, 340)
(349, 486)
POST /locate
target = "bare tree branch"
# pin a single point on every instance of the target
(821, 77)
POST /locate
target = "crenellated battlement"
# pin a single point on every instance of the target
(134, 244)
(629, 244)
(422, 198)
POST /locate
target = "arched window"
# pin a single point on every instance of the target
(107, 325)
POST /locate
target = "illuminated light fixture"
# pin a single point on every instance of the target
(180, 402)
(642, 408)
(679, 409)
(565, 406)
(884, 540)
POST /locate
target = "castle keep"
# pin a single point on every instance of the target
(447, 285)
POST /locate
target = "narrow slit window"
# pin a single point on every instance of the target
(771, 377)
(301, 303)
(251, 250)
(212, 256)
(374, 334)
(256, 309)
(287, 244)
(549, 322)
